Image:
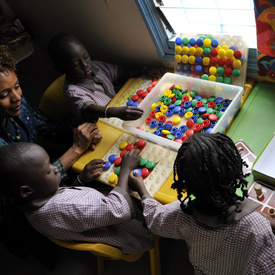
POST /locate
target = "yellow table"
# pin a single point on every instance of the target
(112, 134)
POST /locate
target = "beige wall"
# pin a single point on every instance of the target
(112, 30)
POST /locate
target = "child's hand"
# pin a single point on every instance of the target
(90, 171)
(136, 184)
(126, 112)
(130, 160)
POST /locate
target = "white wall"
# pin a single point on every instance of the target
(112, 30)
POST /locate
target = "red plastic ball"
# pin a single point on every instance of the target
(221, 62)
(141, 143)
(238, 54)
(214, 52)
(228, 71)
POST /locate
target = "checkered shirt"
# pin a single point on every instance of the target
(78, 95)
(246, 246)
(87, 215)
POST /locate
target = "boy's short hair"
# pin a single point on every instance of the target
(14, 166)
(210, 168)
(57, 47)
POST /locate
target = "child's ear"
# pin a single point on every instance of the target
(25, 191)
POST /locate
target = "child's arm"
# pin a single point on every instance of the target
(90, 172)
(93, 111)
(136, 184)
(129, 162)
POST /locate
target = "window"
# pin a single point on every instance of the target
(234, 17)
(167, 18)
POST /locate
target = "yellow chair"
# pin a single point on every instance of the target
(107, 252)
(54, 103)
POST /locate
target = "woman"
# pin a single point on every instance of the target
(19, 121)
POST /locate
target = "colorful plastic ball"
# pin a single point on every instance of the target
(221, 62)
(225, 47)
(206, 51)
(192, 41)
(214, 52)
(213, 61)
(178, 49)
(238, 54)
(219, 79)
(212, 70)
(184, 58)
(212, 78)
(185, 50)
(214, 43)
(199, 51)
(206, 61)
(229, 53)
(178, 41)
(199, 42)
(192, 50)
(242, 59)
(178, 58)
(237, 64)
(236, 73)
(191, 59)
(220, 71)
(229, 63)
(198, 60)
(198, 69)
(205, 77)
(227, 80)
(228, 72)
(233, 48)
(185, 41)
(222, 53)
(207, 43)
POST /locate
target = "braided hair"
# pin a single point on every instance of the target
(7, 61)
(208, 169)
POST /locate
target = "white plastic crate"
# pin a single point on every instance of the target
(203, 87)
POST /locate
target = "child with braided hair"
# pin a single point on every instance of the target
(223, 233)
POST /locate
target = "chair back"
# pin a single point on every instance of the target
(54, 103)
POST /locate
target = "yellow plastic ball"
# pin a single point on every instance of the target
(178, 58)
(184, 58)
(221, 53)
(167, 92)
(171, 95)
(178, 87)
(165, 132)
(187, 115)
(229, 53)
(225, 47)
(212, 70)
(185, 50)
(158, 114)
(191, 59)
(113, 179)
(237, 64)
(212, 78)
(122, 145)
(199, 51)
(207, 43)
(176, 120)
(178, 49)
(192, 50)
(153, 106)
(206, 61)
(163, 109)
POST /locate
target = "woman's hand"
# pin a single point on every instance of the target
(84, 135)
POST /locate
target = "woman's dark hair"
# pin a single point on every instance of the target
(209, 169)
(7, 61)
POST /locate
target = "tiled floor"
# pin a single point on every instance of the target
(36, 74)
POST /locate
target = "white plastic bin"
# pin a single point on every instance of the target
(203, 87)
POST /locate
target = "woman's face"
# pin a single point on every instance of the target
(10, 95)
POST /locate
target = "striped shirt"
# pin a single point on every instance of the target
(78, 95)
(243, 246)
(87, 215)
